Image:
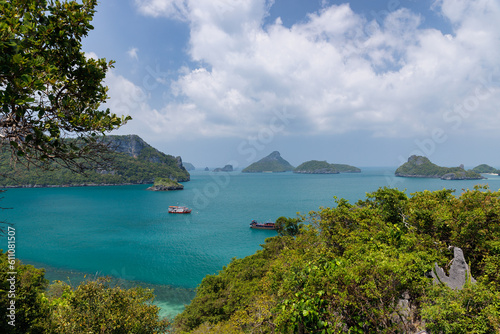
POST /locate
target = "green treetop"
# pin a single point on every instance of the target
(49, 90)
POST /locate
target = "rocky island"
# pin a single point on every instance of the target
(131, 161)
(273, 163)
(226, 168)
(323, 167)
(485, 169)
(419, 166)
(163, 184)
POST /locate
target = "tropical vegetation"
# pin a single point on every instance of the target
(323, 167)
(49, 89)
(418, 166)
(95, 306)
(483, 168)
(362, 268)
(143, 165)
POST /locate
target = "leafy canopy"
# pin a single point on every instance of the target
(49, 89)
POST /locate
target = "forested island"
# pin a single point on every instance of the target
(419, 166)
(132, 161)
(485, 169)
(323, 167)
(369, 267)
(273, 163)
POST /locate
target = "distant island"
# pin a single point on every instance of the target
(133, 161)
(226, 168)
(323, 167)
(419, 166)
(188, 166)
(273, 163)
(163, 184)
(485, 169)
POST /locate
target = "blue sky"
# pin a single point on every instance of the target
(366, 83)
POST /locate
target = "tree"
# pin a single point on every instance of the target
(49, 90)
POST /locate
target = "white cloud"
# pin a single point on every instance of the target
(337, 71)
(132, 53)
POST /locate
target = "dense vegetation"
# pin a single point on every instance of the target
(323, 167)
(362, 268)
(418, 166)
(95, 306)
(132, 162)
(49, 88)
(272, 163)
(483, 168)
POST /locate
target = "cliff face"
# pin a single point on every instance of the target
(418, 166)
(272, 163)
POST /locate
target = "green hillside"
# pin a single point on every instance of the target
(132, 161)
(315, 167)
(364, 268)
(323, 167)
(483, 168)
(272, 163)
(418, 166)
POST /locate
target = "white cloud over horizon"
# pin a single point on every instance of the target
(337, 71)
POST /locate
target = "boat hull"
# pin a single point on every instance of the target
(262, 226)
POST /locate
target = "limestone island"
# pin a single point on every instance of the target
(165, 184)
(188, 166)
(485, 169)
(419, 166)
(130, 161)
(323, 167)
(226, 168)
(273, 163)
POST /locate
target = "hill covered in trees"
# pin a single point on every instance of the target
(323, 167)
(418, 166)
(272, 163)
(483, 168)
(363, 268)
(131, 161)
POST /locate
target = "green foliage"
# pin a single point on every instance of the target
(49, 89)
(93, 307)
(96, 307)
(418, 166)
(123, 168)
(474, 309)
(483, 168)
(363, 268)
(288, 226)
(24, 286)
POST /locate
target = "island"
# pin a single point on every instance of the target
(164, 184)
(188, 166)
(323, 167)
(419, 166)
(273, 163)
(131, 161)
(226, 168)
(485, 169)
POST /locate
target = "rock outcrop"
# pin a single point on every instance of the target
(459, 272)
(418, 166)
(226, 168)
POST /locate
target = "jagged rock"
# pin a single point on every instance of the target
(206, 169)
(166, 188)
(226, 168)
(459, 272)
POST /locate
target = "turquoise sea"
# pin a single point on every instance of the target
(126, 232)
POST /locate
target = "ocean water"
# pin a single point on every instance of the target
(125, 231)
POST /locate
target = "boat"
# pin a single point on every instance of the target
(178, 209)
(262, 226)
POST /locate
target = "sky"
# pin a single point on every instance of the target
(366, 83)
